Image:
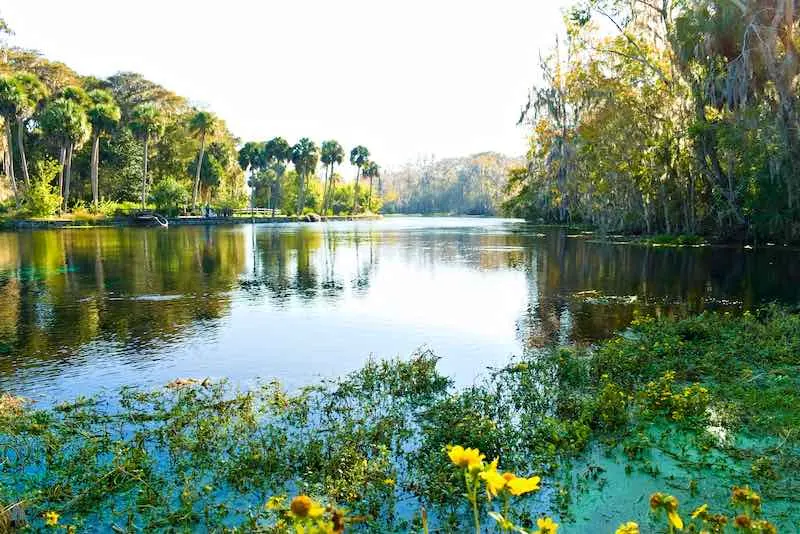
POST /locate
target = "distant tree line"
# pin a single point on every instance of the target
(683, 119)
(472, 185)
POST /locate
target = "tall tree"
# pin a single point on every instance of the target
(305, 157)
(65, 120)
(251, 159)
(202, 124)
(33, 94)
(103, 114)
(371, 171)
(358, 157)
(147, 123)
(332, 155)
(277, 153)
(11, 100)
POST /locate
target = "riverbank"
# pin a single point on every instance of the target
(689, 407)
(102, 221)
(658, 240)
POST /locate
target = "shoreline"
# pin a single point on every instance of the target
(122, 222)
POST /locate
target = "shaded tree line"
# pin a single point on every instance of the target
(673, 116)
(123, 139)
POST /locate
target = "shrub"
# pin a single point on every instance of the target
(169, 195)
(227, 203)
(42, 199)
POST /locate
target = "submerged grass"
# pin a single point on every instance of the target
(689, 407)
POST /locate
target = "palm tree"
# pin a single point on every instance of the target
(371, 171)
(251, 159)
(358, 157)
(332, 154)
(146, 122)
(201, 124)
(65, 120)
(305, 156)
(104, 114)
(11, 100)
(33, 94)
(277, 152)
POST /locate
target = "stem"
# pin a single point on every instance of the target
(472, 495)
(505, 506)
(475, 515)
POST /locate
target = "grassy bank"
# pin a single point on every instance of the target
(689, 408)
(87, 221)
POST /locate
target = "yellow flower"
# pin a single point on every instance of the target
(495, 482)
(700, 510)
(628, 528)
(674, 519)
(466, 458)
(51, 518)
(275, 502)
(521, 486)
(546, 525)
(388, 481)
(303, 506)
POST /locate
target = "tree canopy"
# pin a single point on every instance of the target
(675, 116)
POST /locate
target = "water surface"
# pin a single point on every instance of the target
(87, 310)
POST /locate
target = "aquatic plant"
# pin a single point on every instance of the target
(394, 446)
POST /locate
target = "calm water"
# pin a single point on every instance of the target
(92, 309)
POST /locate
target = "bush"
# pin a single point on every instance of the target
(227, 203)
(110, 208)
(42, 199)
(169, 196)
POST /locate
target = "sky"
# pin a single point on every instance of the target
(407, 79)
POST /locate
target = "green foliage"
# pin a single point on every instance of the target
(673, 123)
(12, 98)
(42, 199)
(147, 121)
(197, 455)
(104, 114)
(65, 120)
(170, 196)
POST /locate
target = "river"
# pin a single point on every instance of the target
(84, 311)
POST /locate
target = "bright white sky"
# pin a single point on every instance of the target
(405, 78)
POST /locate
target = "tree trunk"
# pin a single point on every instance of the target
(301, 198)
(325, 190)
(331, 183)
(144, 173)
(369, 196)
(11, 178)
(22, 159)
(665, 205)
(67, 173)
(95, 164)
(355, 192)
(199, 166)
(62, 160)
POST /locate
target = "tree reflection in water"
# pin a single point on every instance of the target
(123, 296)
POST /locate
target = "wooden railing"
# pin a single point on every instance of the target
(261, 212)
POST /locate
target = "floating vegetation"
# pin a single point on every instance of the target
(569, 439)
(597, 298)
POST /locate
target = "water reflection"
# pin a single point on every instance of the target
(85, 309)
